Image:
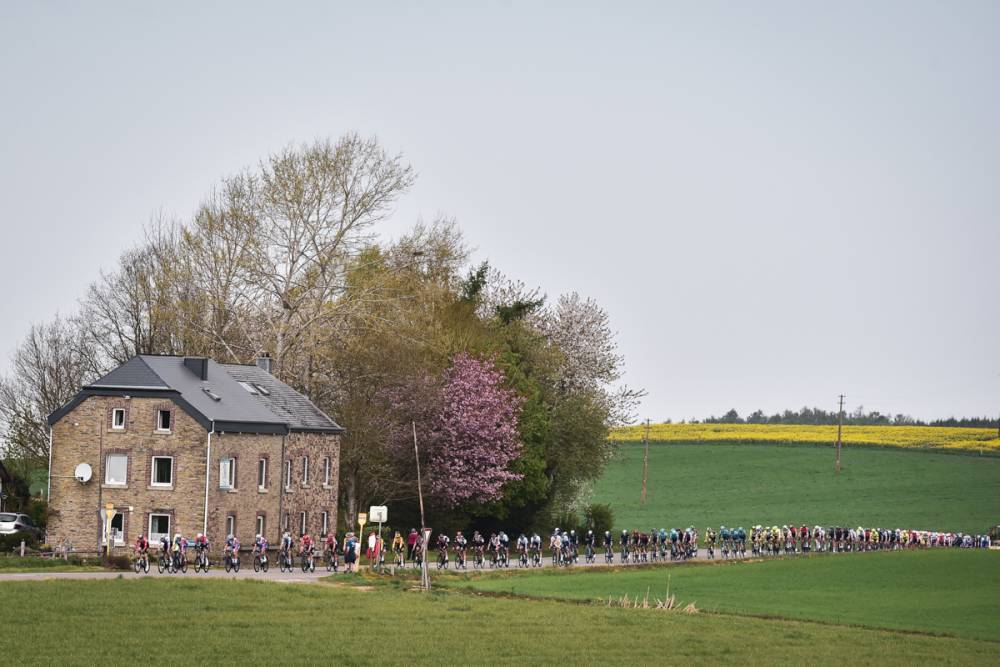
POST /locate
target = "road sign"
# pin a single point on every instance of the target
(378, 513)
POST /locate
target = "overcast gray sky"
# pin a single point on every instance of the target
(777, 202)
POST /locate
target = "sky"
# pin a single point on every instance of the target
(776, 202)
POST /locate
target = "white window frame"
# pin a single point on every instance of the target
(155, 537)
(159, 421)
(118, 539)
(152, 473)
(326, 523)
(288, 474)
(262, 473)
(230, 525)
(284, 522)
(114, 419)
(227, 472)
(305, 471)
(261, 524)
(107, 471)
(327, 467)
(302, 523)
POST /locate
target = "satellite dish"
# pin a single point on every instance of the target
(83, 473)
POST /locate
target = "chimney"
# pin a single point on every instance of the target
(198, 366)
(264, 362)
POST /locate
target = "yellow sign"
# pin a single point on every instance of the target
(362, 519)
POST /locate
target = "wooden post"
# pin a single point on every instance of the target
(645, 462)
(425, 576)
(840, 424)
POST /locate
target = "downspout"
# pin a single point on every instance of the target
(208, 474)
(48, 491)
(281, 490)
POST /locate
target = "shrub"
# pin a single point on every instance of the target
(12, 542)
(599, 518)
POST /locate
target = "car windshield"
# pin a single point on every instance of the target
(8, 518)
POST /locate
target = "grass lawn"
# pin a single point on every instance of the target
(16, 565)
(942, 591)
(123, 620)
(744, 484)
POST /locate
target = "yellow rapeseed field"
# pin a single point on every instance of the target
(910, 437)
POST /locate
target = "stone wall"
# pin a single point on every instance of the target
(85, 435)
(247, 500)
(316, 494)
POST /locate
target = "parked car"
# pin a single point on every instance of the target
(11, 523)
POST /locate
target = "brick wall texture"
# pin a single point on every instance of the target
(86, 435)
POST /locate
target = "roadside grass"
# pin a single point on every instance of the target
(123, 620)
(18, 565)
(713, 484)
(953, 592)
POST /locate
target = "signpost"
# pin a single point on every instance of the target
(362, 520)
(379, 514)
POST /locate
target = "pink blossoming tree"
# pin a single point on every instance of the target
(476, 433)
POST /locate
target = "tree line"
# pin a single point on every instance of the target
(857, 417)
(512, 394)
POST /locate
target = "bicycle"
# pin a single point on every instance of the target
(460, 563)
(589, 557)
(536, 556)
(609, 554)
(164, 563)
(179, 562)
(141, 563)
(201, 561)
(522, 560)
(330, 556)
(442, 558)
(232, 561)
(399, 557)
(260, 561)
(308, 562)
(478, 560)
(285, 561)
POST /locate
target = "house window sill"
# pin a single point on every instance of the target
(112, 485)
(305, 486)
(261, 489)
(160, 487)
(228, 489)
(328, 487)
(161, 431)
(288, 489)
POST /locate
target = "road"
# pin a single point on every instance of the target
(295, 576)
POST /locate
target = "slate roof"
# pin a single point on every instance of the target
(298, 411)
(218, 402)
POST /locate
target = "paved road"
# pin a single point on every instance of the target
(296, 576)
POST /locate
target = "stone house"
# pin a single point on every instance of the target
(187, 445)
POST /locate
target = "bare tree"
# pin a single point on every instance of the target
(51, 364)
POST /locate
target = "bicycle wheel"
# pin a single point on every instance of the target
(264, 565)
(184, 566)
(229, 564)
(137, 565)
(256, 563)
(236, 564)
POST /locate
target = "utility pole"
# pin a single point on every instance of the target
(645, 462)
(840, 425)
(425, 576)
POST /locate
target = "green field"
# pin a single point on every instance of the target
(744, 484)
(949, 592)
(123, 621)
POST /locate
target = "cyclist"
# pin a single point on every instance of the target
(179, 549)
(398, 545)
(555, 545)
(287, 544)
(504, 547)
(142, 548)
(442, 546)
(478, 547)
(589, 541)
(350, 551)
(710, 542)
(260, 548)
(201, 548)
(460, 546)
(535, 545)
(306, 548)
